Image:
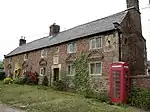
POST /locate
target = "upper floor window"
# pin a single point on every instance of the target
(71, 47)
(25, 57)
(95, 43)
(70, 70)
(43, 53)
(95, 68)
(10, 59)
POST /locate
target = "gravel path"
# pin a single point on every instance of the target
(5, 108)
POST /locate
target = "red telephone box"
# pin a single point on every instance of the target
(119, 82)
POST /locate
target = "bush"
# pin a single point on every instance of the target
(140, 98)
(45, 81)
(2, 75)
(8, 80)
(59, 85)
(21, 80)
(31, 77)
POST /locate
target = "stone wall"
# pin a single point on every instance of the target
(141, 81)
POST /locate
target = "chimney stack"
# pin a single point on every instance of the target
(54, 29)
(135, 15)
(22, 41)
(133, 3)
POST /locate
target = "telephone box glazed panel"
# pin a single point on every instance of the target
(119, 82)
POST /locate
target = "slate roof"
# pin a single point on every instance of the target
(97, 26)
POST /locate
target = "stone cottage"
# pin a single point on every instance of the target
(117, 37)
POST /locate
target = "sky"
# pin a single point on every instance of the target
(32, 18)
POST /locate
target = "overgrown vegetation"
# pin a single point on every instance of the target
(60, 85)
(8, 80)
(39, 99)
(29, 77)
(81, 78)
(140, 98)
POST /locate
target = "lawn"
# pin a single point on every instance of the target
(43, 99)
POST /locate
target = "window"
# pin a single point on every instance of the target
(55, 59)
(57, 50)
(71, 70)
(95, 43)
(24, 71)
(71, 47)
(42, 71)
(10, 59)
(95, 68)
(43, 53)
(25, 57)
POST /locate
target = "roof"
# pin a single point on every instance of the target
(148, 62)
(94, 27)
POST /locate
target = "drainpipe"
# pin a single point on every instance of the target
(119, 44)
(118, 28)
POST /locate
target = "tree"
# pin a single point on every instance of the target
(1, 64)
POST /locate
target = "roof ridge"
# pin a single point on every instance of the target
(94, 21)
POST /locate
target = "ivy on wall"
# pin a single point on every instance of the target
(81, 78)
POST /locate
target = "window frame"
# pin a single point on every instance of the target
(43, 53)
(94, 38)
(44, 70)
(95, 68)
(68, 47)
(25, 57)
(71, 66)
(10, 60)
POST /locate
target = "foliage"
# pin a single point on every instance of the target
(81, 78)
(36, 99)
(1, 64)
(8, 80)
(45, 81)
(20, 80)
(2, 75)
(140, 98)
(29, 77)
(59, 85)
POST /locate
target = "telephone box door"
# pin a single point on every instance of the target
(116, 85)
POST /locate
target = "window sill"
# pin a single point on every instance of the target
(95, 74)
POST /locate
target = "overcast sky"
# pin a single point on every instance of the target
(32, 18)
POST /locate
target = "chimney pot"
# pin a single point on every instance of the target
(22, 41)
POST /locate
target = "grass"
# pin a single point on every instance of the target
(44, 99)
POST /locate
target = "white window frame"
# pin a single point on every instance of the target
(68, 47)
(25, 57)
(94, 38)
(10, 60)
(42, 70)
(71, 66)
(43, 53)
(95, 67)
(23, 71)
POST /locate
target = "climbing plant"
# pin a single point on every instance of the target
(81, 78)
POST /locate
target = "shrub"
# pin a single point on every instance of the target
(59, 85)
(21, 80)
(8, 80)
(2, 75)
(140, 98)
(45, 81)
(31, 77)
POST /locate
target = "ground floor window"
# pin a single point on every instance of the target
(70, 70)
(42, 71)
(95, 68)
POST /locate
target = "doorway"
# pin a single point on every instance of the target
(56, 74)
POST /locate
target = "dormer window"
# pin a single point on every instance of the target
(43, 53)
(25, 57)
